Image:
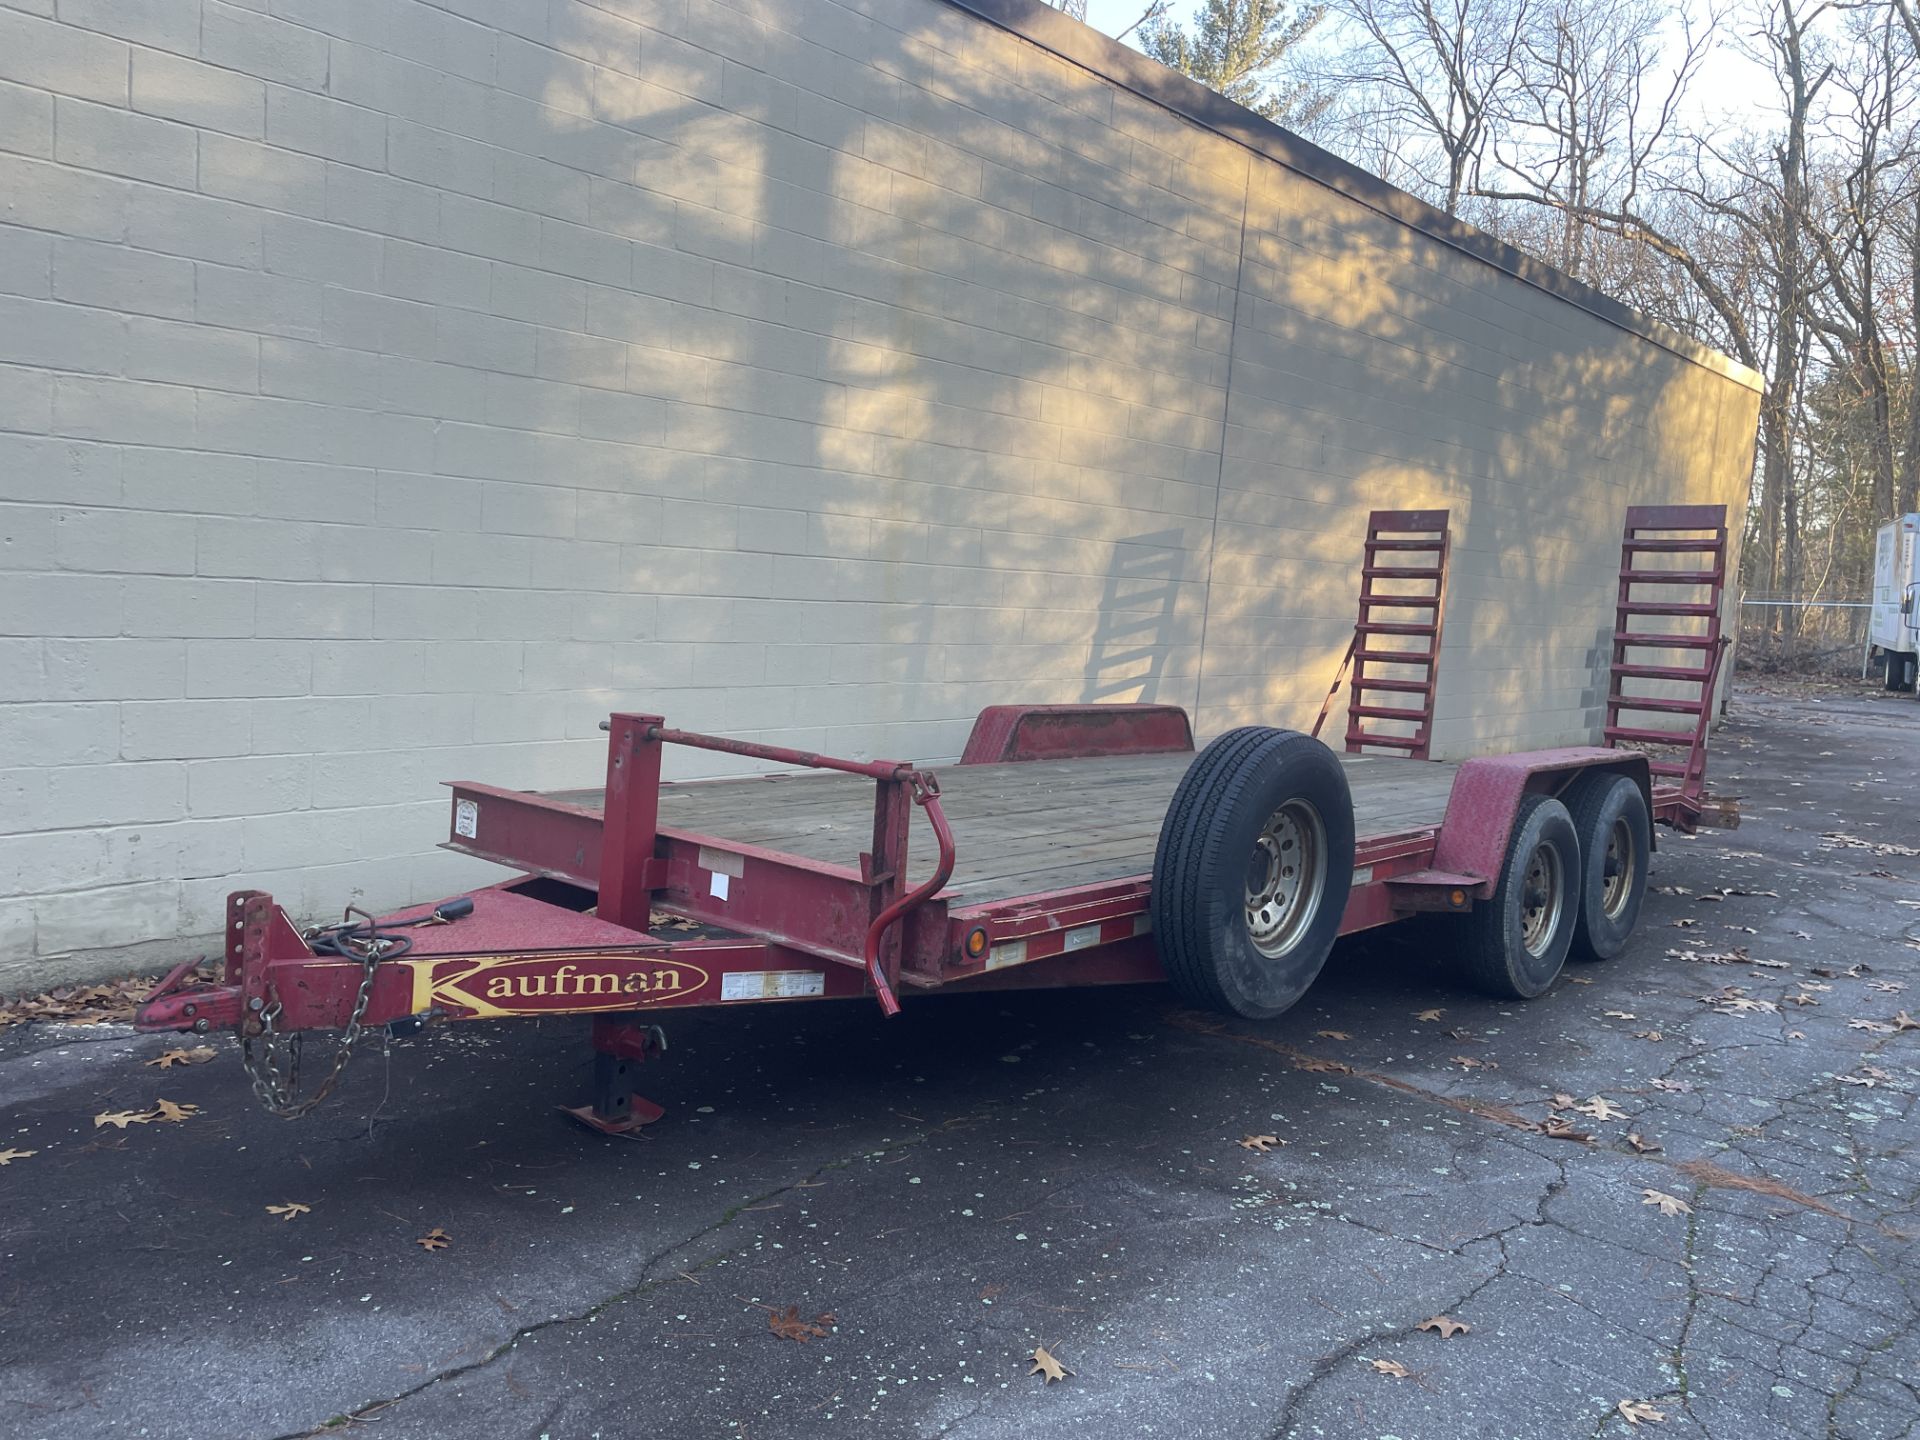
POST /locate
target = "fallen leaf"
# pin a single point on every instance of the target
(1445, 1326)
(1558, 1127)
(1391, 1367)
(1045, 1364)
(1903, 1021)
(434, 1239)
(1745, 1005)
(791, 1327)
(1262, 1143)
(1863, 1080)
(1428, 1014)
(1673, 1087)
(1638, 1412)
(1578, 980)
(1601, 1108)
(167, 1110)
(1669, 1204)
(1620, 1015)
(1333, 1034)
(1469, 1062)
(1800, 997)
(1873, 1027)
(7, 1157)
(199, 1055)
(289, 1210)
(1643, 1145)
(1562, 1100)
(120, 1119)
(1886, 987)
(1648, 1035)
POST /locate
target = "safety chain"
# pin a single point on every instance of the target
(275, 1072)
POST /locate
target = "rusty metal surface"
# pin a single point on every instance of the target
(1004, 734)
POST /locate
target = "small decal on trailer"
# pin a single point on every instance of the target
(1011, 952)
(466, 818)
(1082, 936)
(722, 862)
(1362, 876)
(772, 984)
(719, 885)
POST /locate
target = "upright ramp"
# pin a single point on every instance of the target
(1395, 652)
(1667, 641)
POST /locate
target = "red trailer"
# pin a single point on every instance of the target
(1071, 845)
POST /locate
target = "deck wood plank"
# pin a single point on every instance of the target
(1019, 829)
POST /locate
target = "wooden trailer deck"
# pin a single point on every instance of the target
(1018, 829)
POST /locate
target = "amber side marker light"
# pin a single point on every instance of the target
(976, 942)
(1458, 898)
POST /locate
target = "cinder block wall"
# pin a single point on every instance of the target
(388, 390)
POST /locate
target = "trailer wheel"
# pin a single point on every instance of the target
(1252, 871)
(1616, 844)
(1516, 942)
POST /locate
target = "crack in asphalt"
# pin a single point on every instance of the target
(641, 1286)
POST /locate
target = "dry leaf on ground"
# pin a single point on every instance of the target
(1639, 1412)
(120, 1119)
(1391, 1367)
(1428, 1014)
(289, 1210)
(1045, 1364)
(789, 1325)
(1601, 1108)
(198, 1055)
(1872, 1027)
(1333, 1034)
(7, 1157)
(1262, 1143)
(1904, 1021)
(1669, 1204)
(1620, 1015)
(1445, 1326)
(168, 1110)
(1642, 1144)
(434, 1239)
(1558, 1127)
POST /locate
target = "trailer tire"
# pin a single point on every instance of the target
(1516, 943)
(1252, 870)
(1616, 844)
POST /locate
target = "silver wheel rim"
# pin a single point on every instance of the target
(1540, 900)
(1285, 877)
(1622, 867)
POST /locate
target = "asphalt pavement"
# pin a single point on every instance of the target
(923, 1202)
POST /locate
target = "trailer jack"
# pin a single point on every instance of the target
(620, 1043)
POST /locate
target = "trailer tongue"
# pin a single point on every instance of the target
(1074, 845)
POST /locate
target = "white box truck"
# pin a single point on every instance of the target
(1893, 630)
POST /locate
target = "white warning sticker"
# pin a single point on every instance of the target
(772, 984)
(466, 818)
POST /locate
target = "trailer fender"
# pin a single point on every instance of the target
(1486, 797)
(1007, 733)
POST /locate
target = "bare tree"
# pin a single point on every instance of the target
(1855, 204)
(1441, 70)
